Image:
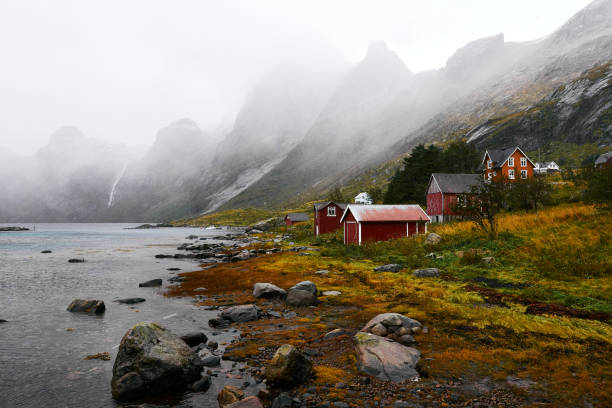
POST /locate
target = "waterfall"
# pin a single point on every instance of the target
(111, 197)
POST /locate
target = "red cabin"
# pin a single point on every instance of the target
(327, 217)
(442, 193)
(364, 223)
(294, 218)
(508, 164)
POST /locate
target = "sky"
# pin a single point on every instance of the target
(121, 69)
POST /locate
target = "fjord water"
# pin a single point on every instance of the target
(41, 362)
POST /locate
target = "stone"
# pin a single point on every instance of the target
(379, 330)
(268, 291)
(433, 239)
(426, 273)
(152, 360)
(340, 404)
(87, 306)
(248, 402)
(46, 251)
(488, 259)
(176, 279)
(385, 359)
(392, 322)
(202, 385)
(228, 395)
(76, 260)
(322, 272)
(218, 322)
(211, 361)
(333, 334)
(3, 321)
(305, 285)
(241, 313)
(151, 283)
(212, 345)
(195, 338)
(300, 298)
(130, 301)
(331, 293)
(406, 340)
(283, 400)
(388, 268)
(288, 367)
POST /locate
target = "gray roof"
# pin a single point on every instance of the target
(603, 158)
(318, 206)
(297, 217)
(500, 156)
(457, 183)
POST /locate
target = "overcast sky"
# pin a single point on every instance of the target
(120, 70)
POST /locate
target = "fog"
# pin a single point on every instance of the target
(121, 70)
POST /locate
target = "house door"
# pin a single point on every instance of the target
(352, 233)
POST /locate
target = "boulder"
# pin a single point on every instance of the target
(194, 338)
(333, 334)
(308, 286)
(283, 400)
(241, 313)
(388, 268)
(76, 260)
(151, 360)
(46, 251)
(228, 395)
(130, 301)
(288, 367)
(393, 322)
(3, 321)
(202, 385)
(87, 306)
(331, 293)
(211, 361)
(248, 402)
(426, 273)
(268, 291)
(385, 359)
(300, 298)
(433, 239)
(151, 283)
(322, 272)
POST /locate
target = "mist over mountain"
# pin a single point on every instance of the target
(306, 128)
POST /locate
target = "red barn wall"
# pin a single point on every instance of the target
(434, 204)
(382, 231)
(327, 223)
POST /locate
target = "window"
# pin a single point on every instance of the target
(523, 162)
(511, 161)
(523, 174)
(331, 211)
(511, 174)
(489, 164)
(490, 176)
(461, 201)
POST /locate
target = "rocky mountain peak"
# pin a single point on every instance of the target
(592, 21)
(67, 135)
(474, 55)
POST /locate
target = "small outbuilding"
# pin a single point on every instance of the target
(603, 160)
(546, 167)
(294, 218)
(444, 193)
(327, 217)
(364, 223)
(363, 198)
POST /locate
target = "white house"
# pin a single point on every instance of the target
(546, 167)
(363, 198)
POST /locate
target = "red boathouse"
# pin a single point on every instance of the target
(294, 218)
(364, 223)
(443, 191)
(327, 217)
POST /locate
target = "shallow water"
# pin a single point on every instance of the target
(42, 363)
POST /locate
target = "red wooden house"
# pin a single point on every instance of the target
(364, 223)
(327, 217)
(509, 164)
(294, 218)
(443, 191)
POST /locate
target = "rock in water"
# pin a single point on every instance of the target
(76, 260)
(268, 291)
(248, 402)
(130, 301)
(195, 338)
(288, 367)
(228, 395)
(426, 273)
(87, 306)
(151, 360)
(3, 321)
(433, 239)
(385, 359)
(388, 268)
(300, 298)
(241, 313)
(46, 251)
(151, 283)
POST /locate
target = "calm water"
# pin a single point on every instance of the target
(41, 363)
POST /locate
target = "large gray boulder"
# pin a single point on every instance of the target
(393, 326)
(433, 239)
(426, 273)
(151, 360)
(268, 291)
(300, 298)
(308, 286)
(385, 359)
(241, 313)
(288, 367)
(388, 268)
(87, 306)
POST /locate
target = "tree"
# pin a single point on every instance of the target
(336, 195)
(483, 205)
(598, 186)
(530, 193)
(377, 195)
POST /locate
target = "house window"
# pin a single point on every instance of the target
(511, 161)
(331, 211)
(489, 164)
(523, 174)
(523, 162)
(511, 174)
(490, 176)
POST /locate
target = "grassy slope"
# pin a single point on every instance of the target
(560, 256)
